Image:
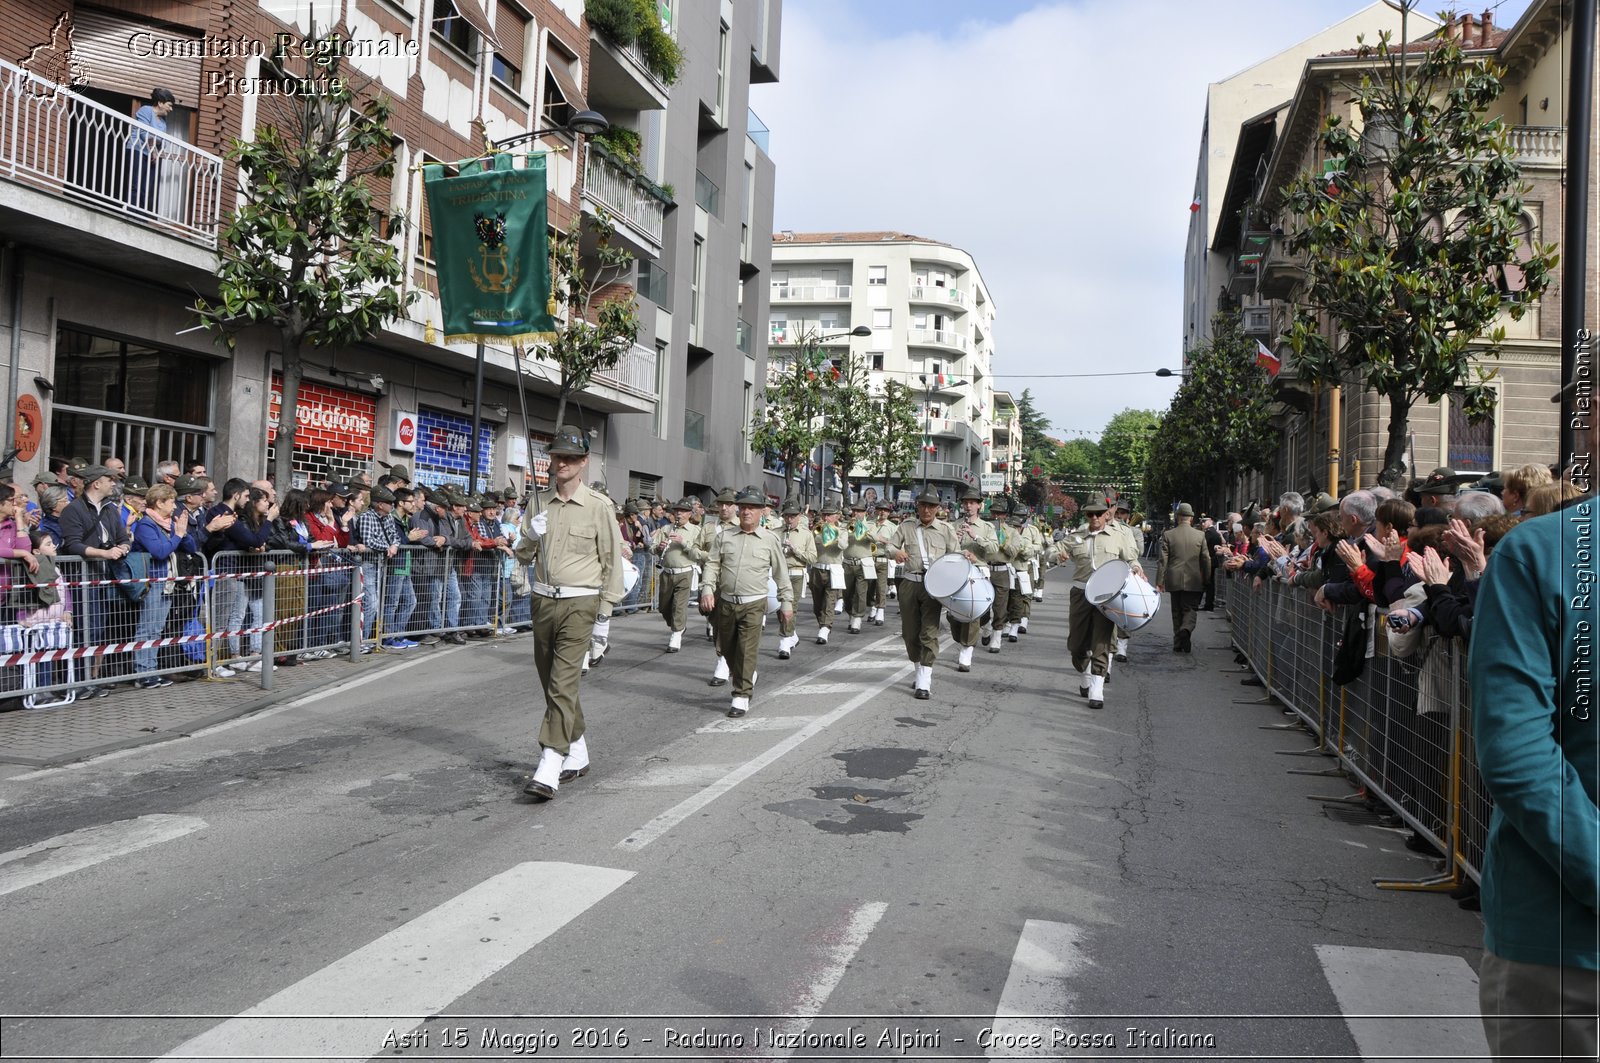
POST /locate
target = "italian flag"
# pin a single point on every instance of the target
(1267, 360)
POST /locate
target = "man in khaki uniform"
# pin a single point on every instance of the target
(799, 552)
(1184, 570)
(917, 544)
(735, 589)
(1034, 540)
(971, 528)
(831, 540)
(860, 566)
(1019, 604)
(710, 532)
(1091, 635)
(1121, 523)
(575, 546)
(882, 527)
(674, 544)
(1000, 557)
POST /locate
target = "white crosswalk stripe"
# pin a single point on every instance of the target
(1406, 1005)
(1047, 957)
(831, 971)
(66, 853)
(756, 723)
(412, 972)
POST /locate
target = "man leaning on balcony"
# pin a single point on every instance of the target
(145, 151)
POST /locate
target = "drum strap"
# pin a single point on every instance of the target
(922, 546)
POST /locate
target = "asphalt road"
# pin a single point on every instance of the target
(847, 873)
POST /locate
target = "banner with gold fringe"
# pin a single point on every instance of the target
(491, 249)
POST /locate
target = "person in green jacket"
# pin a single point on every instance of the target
(1537, 731)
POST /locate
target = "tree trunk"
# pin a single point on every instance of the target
(561, 401)
(1393, 475)
(288, 411)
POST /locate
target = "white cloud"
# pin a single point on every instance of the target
(1058, 148)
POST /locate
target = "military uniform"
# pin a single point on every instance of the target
(880, 530)
(800, 552)
(1135, 539)
(976, 535)
(830, 540)
(860, 566)
(575, 547)
(736, 583)
(1019, 605)
(1184, 571)
(918, 545)
(1091, 636)
(674, 545)
(1000, 557)
(710, 534)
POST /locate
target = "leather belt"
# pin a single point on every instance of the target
(544, 590)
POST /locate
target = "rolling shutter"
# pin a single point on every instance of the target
(103, 44)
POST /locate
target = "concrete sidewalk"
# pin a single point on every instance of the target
(60, 734)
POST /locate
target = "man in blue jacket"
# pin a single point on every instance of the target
(1535, 720)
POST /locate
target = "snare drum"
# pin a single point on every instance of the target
(960, 587)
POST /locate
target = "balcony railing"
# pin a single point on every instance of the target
(1545, 144)
(628, 195)
(758, 132)
(826, 335)
(810, 293)
(933, 293)
(73, 147)
(707, 196)
(745, 336)
(936, 338)
(946, 470)
(954, 428)
(635, 373)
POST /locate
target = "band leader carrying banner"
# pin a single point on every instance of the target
(491, 249)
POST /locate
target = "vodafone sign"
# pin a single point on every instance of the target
(405, 432)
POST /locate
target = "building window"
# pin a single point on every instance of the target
(696, 288)
(659, 424)
(882, 318)
(722, 73)
(511, 27)
(1468, 447)
(453, 28)
(877, 274)
(877, 363)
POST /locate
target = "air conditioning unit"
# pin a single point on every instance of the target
(1256, 321)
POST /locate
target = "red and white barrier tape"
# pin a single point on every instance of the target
(208, 577)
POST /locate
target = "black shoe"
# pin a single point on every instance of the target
(1468, 888)
(734, 714)
(783, 655)
(672, 649)
(718, 682)
(1122, 657)
(1108, 679)
(920, 694)
(539, 790)
(1097, 704)
(1011, 638)
(429, 640)
(574, 773)
(963, 667)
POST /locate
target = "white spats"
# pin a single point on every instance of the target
(822, 635)
(577, 757)
(924, 677)
(1097, 690)
(721, 670)
(675, 642)
(548, 773)
(964, 658)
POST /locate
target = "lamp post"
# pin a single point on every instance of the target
(582, 124)
(810, 356)
(931, 384)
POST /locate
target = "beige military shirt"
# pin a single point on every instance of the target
(1087, 551)
(802, 548)
(831, 540)
(742, 563)
(861, 543)
(676, 554)
(924, 544)
(976, 535)
(581, 545)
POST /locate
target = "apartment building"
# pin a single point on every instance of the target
(99, 286)
(1231, 103)
(932, 323)
(1005, 442)
(1263, 280)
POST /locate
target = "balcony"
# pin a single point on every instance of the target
(628, 196)
(1539, 145)
(810, 293)
(1281, 273)
(620, 79)
(1245, 271)
(952, 428)
(745, 337)
(942, 471)
(941, 296)
(758, 132)
(707, 196)
(634, 373)
(927, 384)
(823, 335)
(954, 341)
(1256, 320)
(75, 149)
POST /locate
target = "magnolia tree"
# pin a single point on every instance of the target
(304, 251)
(894, 437)
(1409, 235)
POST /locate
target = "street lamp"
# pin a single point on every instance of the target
(1164, 371)
(822, 441)
(929, 387)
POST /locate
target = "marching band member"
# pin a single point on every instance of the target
(1092, 636)
(831, 540)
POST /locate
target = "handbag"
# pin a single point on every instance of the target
(1350, 655)
(136, 566)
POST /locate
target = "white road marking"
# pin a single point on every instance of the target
(756, 723)
(818, 689)
(1406, 1005)
(834, 964)
(413, 971)
(1047, 957)
(1358, 845)
(79, 849)
(671, 775)
(689, 806)
(864, 665)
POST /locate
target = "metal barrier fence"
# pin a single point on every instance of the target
(1402, 729)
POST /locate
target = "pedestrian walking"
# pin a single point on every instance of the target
(574, 544)
(735, 591)
(1184, 570)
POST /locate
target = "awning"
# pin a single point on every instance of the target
(560, 68)
(469, 10)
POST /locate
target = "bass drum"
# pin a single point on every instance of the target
(1122, 596)
(959, 586)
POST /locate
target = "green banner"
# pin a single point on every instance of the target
(491, 249)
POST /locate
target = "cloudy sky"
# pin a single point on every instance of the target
(1054, 141)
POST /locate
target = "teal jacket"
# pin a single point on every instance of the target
(1537, 729)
